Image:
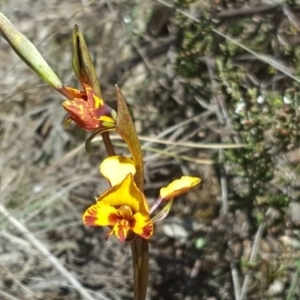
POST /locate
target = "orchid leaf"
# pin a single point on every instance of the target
(28, 53)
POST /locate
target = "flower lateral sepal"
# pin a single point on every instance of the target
(162, 214)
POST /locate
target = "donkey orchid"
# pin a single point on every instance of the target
(123, 207)
(88, 110)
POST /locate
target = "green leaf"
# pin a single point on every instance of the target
(28, 53)
(200, 243)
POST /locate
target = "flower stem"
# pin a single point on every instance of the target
(108, 144)
(140, 261)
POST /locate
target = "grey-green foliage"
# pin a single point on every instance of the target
(261, 101)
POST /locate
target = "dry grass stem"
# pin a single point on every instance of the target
(43, 250)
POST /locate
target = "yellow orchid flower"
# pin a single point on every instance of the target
(123, 207)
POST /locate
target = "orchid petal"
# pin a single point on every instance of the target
(143, 225)
(100, 214)
(116, 168)
(178, 187)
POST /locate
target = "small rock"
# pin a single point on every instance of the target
(241, 225)
(276, 288)
(177, 228)
(290, 242)
(272, 215)
(273, 242)
(295, 212)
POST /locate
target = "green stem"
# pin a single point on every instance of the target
(108, 144)
(140, 261)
